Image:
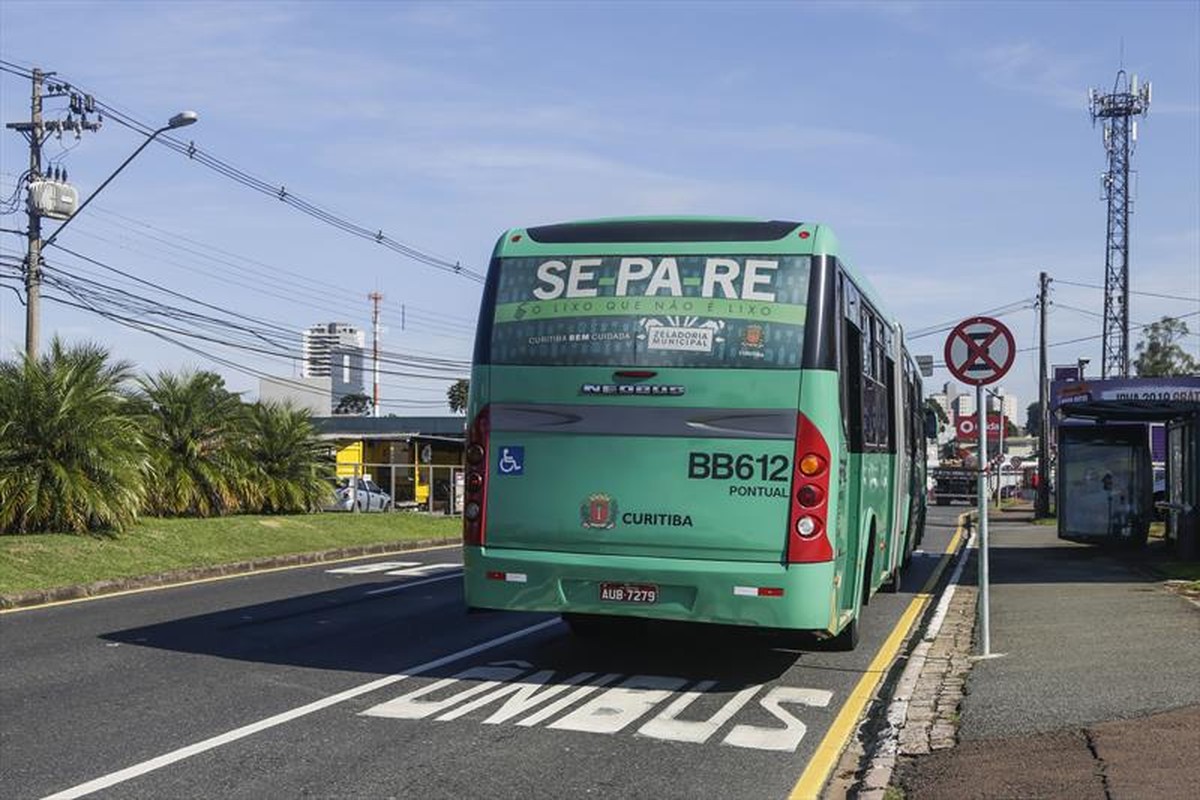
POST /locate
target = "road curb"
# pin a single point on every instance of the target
(37, 597)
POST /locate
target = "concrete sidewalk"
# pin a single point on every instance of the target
(1096, 692)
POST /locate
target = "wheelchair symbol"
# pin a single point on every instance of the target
(512, 461)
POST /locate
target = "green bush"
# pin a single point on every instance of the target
(72, 457)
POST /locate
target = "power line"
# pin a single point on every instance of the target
(319, 300)
(297, 202)
(1184, 298)
(90, 292)
(999, 311)
(280, 192)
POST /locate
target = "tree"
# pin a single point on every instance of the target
(1159, 354)
(289, 467)
(457, 395)
(355, 403)
(72, 457)
(193, 424)
(1033, 418)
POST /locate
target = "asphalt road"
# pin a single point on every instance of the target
(350, 680)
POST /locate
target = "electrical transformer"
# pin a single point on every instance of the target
(54, 199)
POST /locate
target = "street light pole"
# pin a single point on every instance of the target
(36, 246)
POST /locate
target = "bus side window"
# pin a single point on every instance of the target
(890, 382)
(852, 373)
(840, 344)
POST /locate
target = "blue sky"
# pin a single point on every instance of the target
(948, 144)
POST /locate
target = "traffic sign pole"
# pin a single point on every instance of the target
(984, 604)
(979, 351)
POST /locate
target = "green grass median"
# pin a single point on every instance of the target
(46, 561)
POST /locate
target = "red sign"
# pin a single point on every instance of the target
(967, 428)
(980, 351)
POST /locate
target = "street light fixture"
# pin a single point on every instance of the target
(34, 276)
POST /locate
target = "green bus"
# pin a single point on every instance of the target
(698, 419)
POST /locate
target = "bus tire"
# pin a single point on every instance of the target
(847, 638)
(892, 584)
(869, 568)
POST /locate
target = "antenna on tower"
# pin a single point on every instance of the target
(1116, 111)
(376, 298)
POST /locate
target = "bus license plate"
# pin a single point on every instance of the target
(628, 593)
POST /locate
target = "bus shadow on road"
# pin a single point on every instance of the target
(344, 630)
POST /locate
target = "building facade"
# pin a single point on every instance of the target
(331, 347)
(334, 351)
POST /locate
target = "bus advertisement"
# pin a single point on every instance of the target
(706, 420)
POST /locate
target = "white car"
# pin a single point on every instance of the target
(370, 497)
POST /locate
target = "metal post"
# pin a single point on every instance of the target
(392, 471)
(354, 489)
(1041, 502)
(1000, 453)
(983, 522)
(430, 485)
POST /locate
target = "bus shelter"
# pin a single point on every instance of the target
(1106, 484)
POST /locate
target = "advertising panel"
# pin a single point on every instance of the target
(967, 427)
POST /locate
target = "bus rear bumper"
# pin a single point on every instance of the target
(760, 594)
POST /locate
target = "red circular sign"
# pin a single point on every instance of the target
(980, 351)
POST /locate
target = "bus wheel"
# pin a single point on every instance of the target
(847, 639)
(892, 584)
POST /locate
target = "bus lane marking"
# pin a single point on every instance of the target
(136, 770)
(612, 703)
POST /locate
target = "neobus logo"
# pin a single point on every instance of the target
(629, 389)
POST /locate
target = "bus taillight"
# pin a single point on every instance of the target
(475, 482)
(807, 538)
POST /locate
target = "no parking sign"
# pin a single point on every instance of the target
(980, 350)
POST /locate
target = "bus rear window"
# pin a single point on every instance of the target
(654, 311)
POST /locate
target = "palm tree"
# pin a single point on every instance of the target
(72, 457)
(193, 424)
(290, 469)
(457, 395)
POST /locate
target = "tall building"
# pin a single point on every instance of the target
(318, 344)
(334, 350)
(963, 405)
(1012, 409)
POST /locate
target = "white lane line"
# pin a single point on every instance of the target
(422, 569)
(136, 770)
(366, 569)
(411, 584)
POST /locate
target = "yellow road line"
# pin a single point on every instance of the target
(222, 578)
(825, 758)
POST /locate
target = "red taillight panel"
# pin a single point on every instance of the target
(807, 534)
(475, 483)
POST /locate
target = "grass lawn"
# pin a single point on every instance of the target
(1182, 571)
(44, 561)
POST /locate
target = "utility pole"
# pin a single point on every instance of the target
(35, 132)
(376, 298)
(1041, 503)
(33, 252)
(1120, 137)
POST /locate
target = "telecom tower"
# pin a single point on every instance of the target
(1117, 108)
